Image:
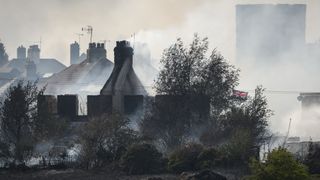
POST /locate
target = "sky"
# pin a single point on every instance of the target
(157, 23)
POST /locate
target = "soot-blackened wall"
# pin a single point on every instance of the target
(132, 103)
(68, 106)
(47, 104)
(99, 104)
(198, 106)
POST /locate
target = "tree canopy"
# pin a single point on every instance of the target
(280, 165)
(188, 71)
(17, 113)
(188, 76)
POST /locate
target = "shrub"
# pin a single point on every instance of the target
(142, 159)
(59, 166)
(279, 165)
(313, 159)
(185, 158)
(104, 140)
(208, 158)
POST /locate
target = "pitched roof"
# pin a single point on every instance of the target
(45, 65)
(86, 77)
(49, 66)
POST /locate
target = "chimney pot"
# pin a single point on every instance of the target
(122, 51)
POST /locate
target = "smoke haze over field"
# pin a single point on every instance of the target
(159, 23)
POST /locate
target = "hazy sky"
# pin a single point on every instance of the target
(158, 23)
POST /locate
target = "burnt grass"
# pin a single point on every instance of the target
(76, 174)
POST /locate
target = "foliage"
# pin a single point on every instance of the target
(280, 165)
(105, 139)
(242, 130)
(238, 150)
(184, 158)
(17, 113)
(166, 123)
(209, 158)
(313, 159)
(142, 159)
(188, 72)
(49, 126)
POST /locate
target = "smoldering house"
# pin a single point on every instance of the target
(122, 91)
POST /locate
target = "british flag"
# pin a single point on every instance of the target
(240, 94)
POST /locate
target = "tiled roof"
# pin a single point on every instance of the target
(49, 66)
(79, 78)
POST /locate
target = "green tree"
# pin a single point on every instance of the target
(142, 159)
(186, 73)
(185, 158)
(167, 123)
(105, 139)
(49, 126)
(280, 165)
(17, 114)
(243, 129)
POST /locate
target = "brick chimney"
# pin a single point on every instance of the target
(96, 52)
(122, 52)
(117, 84)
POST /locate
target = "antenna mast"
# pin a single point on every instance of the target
(104, 41)
(133, 36)
(89, 30)
(286, 137)
(39, 42)
(79, 36)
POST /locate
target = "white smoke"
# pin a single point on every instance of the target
(295, 71)
(159, 23)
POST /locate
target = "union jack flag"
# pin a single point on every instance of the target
(240, 94)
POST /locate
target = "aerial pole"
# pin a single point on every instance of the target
(39, 42)
(89, 30)
(79, 36)
(133, 36)
(287, 135)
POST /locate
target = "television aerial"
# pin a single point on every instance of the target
(79, 36)
(89, 30)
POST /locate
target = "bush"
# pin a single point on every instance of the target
(238, 150)
(279, 165)
(142, 159)
(104, 140)
(313, 159)
(208, 158)
(185, 158)
(59, 166)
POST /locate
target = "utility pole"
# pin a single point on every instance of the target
(89, 30)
